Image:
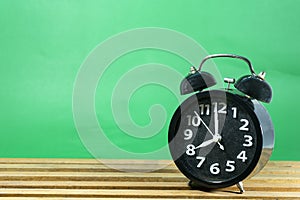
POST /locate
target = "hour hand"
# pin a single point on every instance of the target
(208, 142)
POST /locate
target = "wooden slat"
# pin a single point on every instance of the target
(83, 198)
(118, 176)
(79, 168)
(292, 164)
(82, 161)
(133, 193)
(100, 167)
(88, 179)
(87, 198)
(249, 185)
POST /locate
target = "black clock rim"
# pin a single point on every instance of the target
(245, 103)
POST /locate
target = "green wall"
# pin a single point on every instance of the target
(44, 43)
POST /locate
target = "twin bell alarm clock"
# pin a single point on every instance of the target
(219, 137)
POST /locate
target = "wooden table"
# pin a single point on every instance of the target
(90, 179)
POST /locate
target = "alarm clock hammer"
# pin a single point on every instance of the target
(218, 138)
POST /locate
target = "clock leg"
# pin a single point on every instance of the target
(195, 186)
(241, 187)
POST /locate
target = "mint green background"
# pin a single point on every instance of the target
(43, 44)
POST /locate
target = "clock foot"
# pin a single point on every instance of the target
(241, 187)
(195, 186)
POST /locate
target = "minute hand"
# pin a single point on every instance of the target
(220, 145)
(216, 122)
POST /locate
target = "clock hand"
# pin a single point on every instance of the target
(216, 120)
(204, 123)
(208, 142)
(220, 145)
(217, 127)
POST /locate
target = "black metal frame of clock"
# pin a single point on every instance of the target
(217, 138)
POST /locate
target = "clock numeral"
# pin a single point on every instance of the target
(190, 150)
(230, 166)
(202, 109)
(188, 133)
(234, 112)
(223, 108)
(244, 127)
(214, 168)
(242, 156)
(195, 121)
(202, 159)
(248, 141)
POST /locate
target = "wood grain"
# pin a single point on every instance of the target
(91, 179)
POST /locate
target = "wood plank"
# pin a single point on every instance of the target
(118, 174)
(67, 198)
(83, 168)
(249, 185)
(118, 193)
(102, 168)
(87, 165)
(294, 164)
(82, 161)
(84, 198)
(91, 176)
(282, 167)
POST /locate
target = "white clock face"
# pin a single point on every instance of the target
(215, 142)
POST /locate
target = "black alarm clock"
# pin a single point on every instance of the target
(217, 138)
